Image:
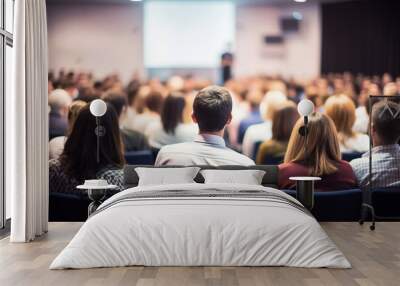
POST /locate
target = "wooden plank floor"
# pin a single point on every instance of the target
(375, 257)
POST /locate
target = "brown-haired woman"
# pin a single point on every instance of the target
(321, 157)
(342, 110)
(283, 121)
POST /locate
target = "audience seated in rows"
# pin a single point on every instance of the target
(342, 110)
(59, 102)
(78, 161)
(263, 131)
(319, 156)
(56, 145)
(385, 151)
(212, 108)
(171, 129)
(283, 122)
(133, 140)
(146, 97)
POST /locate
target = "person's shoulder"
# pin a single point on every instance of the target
(131, 133)
(243, 159)
(153, 127)
(176, 147)
(289, 165)
(362, 137)
(267, 144)
(344, 164)
(110, 170)
(255, 127)
(57, 140)
(357, 163)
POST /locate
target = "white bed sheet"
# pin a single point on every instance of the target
(200, 232)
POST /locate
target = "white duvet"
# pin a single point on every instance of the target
(188, 231)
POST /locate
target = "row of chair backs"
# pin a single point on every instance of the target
(144, 157)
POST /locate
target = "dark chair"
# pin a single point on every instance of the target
(255, 149)
(351, 156)
(386, 202)
(336, 205)
(144, 157)
(68, 207)
(272, 160)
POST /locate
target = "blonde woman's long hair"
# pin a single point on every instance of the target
(323, 152)
(342, 110)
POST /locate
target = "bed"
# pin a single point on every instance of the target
(197, 224)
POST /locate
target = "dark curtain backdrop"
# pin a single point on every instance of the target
(361, 37)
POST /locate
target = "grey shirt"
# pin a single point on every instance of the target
(205, 150)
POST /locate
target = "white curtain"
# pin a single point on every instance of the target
(27, 124)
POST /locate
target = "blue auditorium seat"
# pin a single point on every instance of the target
(351, 156)
(386, 202)
(342, 205)
(144, 157)
(272, 160)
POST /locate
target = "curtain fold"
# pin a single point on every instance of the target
(27, 122)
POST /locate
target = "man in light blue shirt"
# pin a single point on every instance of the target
(386, 151)
(212, 111)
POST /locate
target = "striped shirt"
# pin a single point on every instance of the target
(205, 150)
(385, 167)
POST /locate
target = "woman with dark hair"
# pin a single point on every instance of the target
(171, 129)
(78, 162)
(321, 158)
(283, 121)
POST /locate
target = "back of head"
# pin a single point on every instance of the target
(271, 102)
(212, 108)
(342, 110)
(254, 97)
(132, 91)
(172, 112)
(117, 100)
(176, 83)
(88, 94)
(390, 89)
(283, 122)
(154, 101)
(79, 156)
(386, 121)
(322, 152)
(59, 99)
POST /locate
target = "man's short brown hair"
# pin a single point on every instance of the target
(212, 108)
(386, 121)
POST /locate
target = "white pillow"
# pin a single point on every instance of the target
(166, 176)
(248, 177)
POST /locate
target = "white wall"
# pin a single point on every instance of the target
(107, 38)
(99, 38)
(299, 55)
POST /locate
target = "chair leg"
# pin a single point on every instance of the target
(363, 215)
